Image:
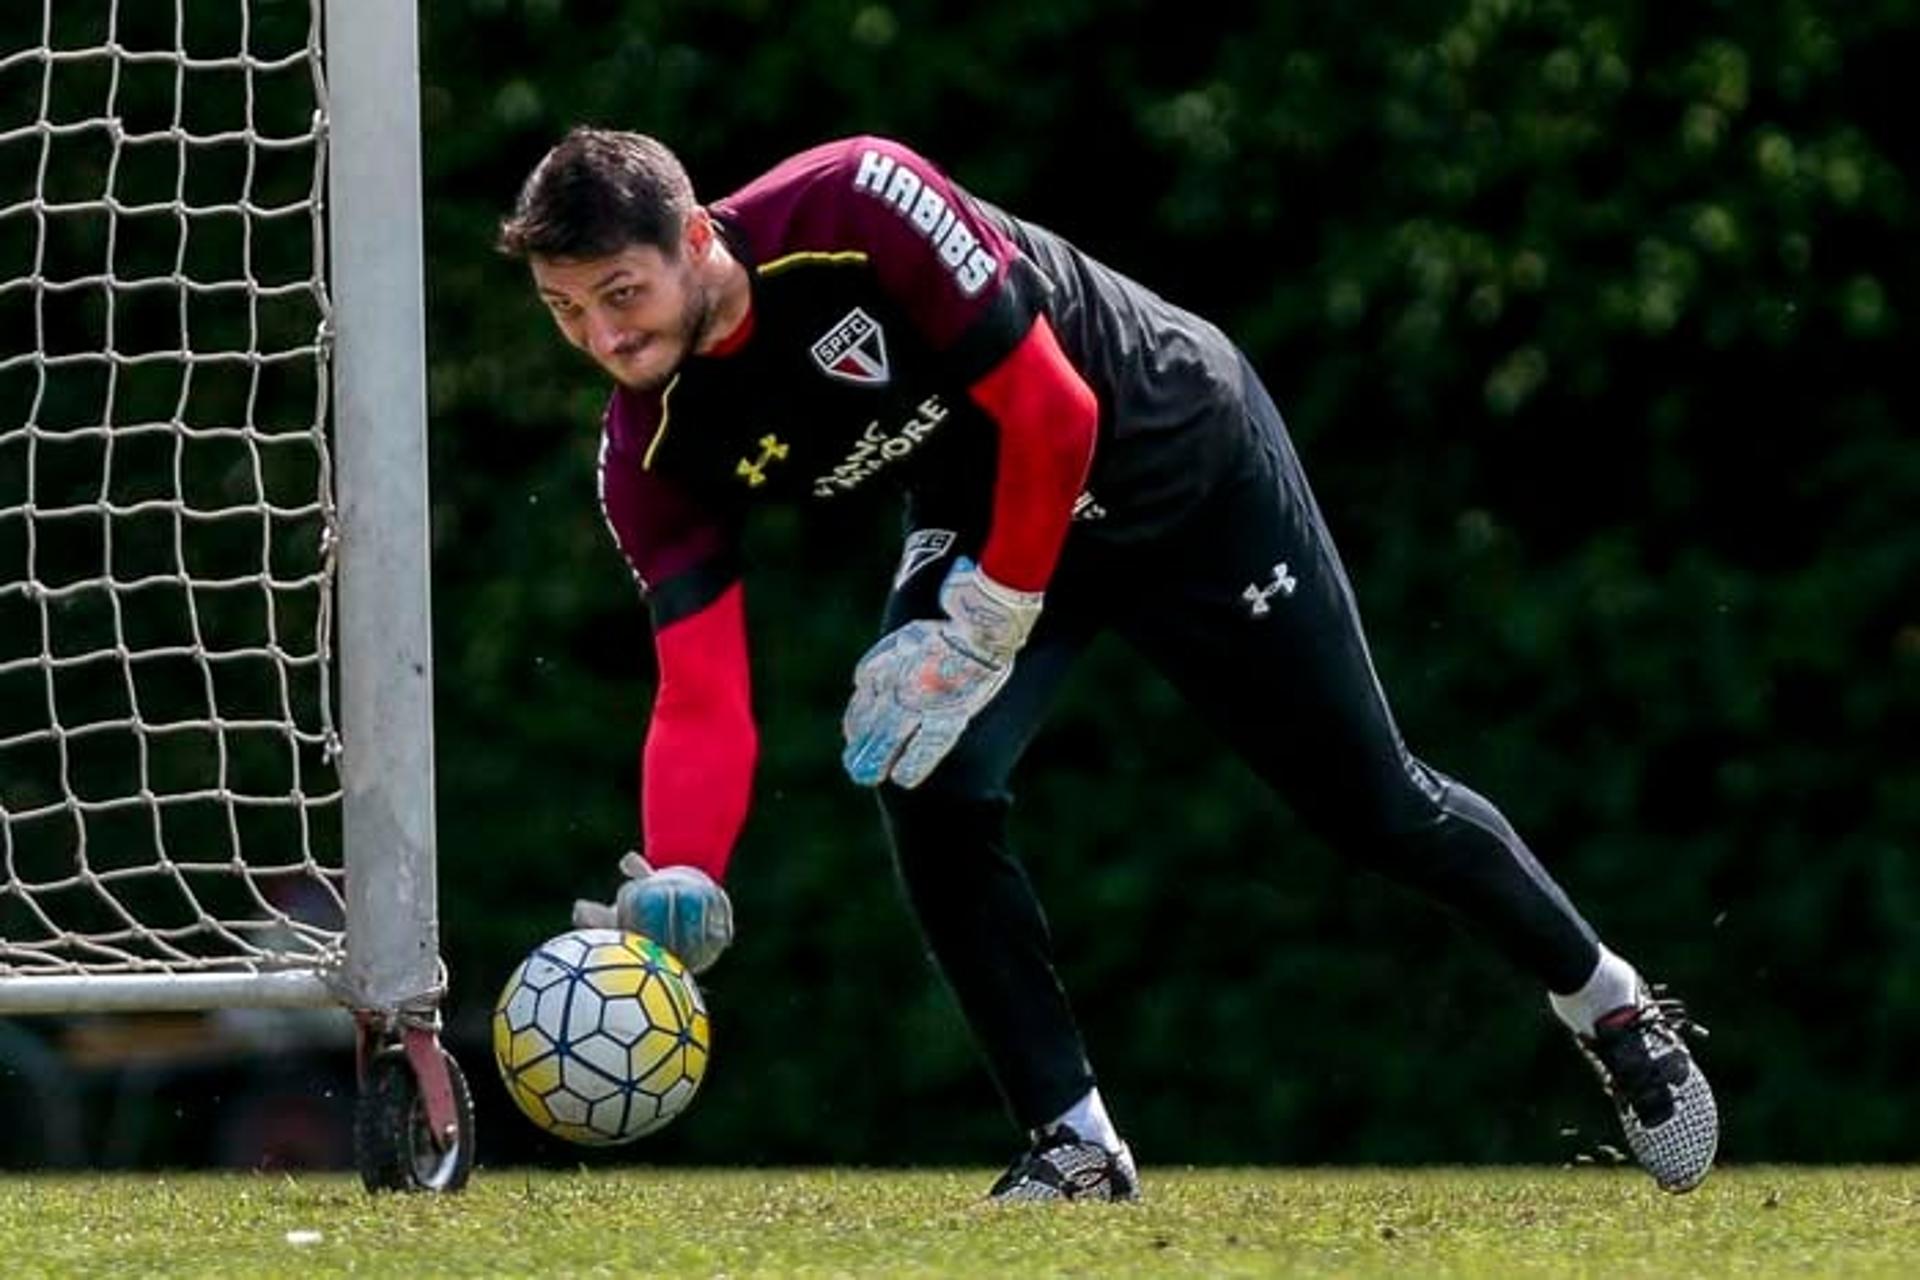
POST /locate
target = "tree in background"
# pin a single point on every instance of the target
(1587, 319)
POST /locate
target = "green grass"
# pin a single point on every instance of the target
(1212, 1222)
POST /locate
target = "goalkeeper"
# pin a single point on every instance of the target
(1077, 455)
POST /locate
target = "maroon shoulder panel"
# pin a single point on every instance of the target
(928, 244)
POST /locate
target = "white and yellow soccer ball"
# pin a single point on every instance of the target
(601, 1036)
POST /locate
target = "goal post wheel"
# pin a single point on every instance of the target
(413, 1120)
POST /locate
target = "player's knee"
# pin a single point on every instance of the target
(1433, 830)
(1389, 818)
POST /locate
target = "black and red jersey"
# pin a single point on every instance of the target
(904, 336)
(882, 294)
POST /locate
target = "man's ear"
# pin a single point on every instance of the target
(697, 237)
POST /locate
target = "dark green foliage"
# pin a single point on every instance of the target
(1591, 321)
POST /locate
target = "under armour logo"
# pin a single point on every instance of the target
(1257, 596)
(772, 449)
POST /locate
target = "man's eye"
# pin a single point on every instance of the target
(622, 296)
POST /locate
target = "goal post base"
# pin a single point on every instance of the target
(413, 1121)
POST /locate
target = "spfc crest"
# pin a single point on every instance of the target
(854, 350)
(922, 548)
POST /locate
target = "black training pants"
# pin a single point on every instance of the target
(1245, 607)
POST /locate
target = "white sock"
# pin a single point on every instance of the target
(1088, 1118)
(1613, 984)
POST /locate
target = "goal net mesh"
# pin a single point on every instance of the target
(169, 799)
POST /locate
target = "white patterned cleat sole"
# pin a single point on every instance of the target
(1679, 1152)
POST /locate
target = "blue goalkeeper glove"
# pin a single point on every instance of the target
(681, 908)
(915, 692)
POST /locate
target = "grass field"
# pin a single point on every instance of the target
(1211, 1222)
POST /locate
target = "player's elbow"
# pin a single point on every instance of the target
(1075, 416)
(1046, 409)
(690, 699)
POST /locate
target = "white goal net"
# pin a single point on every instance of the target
(171, 789)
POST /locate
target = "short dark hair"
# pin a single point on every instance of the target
(596, 192)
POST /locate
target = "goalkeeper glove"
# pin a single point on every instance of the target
(681, 908)
(915, 692)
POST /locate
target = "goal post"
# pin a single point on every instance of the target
(216, 740)
(379, 415)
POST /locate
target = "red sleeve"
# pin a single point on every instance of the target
(1047, 416)
(696, 770)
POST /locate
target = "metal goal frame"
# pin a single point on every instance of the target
(414, 1130)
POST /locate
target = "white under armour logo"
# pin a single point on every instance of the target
(1257, 596)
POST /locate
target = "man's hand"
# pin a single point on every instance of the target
(681, 908)
(915, 692)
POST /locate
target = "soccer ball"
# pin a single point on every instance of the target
(601, 1036)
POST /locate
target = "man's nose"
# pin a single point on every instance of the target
(603, 335)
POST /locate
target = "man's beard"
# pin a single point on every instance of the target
(696, 319)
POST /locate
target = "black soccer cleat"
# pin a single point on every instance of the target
(1665, 1104)
(1061, 1165)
